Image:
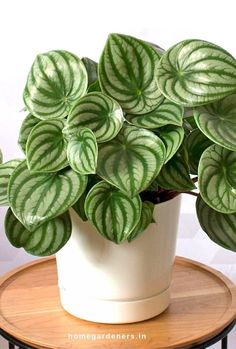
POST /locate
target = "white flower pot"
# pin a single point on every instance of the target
(104, 282)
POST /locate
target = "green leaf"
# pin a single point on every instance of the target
(165, 113)
(217, 178)
(79, 205)
(82, 151)
(175, 174)
(6, 170)
(218, 121)
(196, 143)
(112, 212)
(132, 160)
(28, 123)
(38, 197)
(220, 227)
(145, 219)
(100, 113)
(1, 158)
(91, 68)
(172, 137)
(94, 87)
(195, 72)
(46, 147)
(46, 240)
(56, 80)
(126, 73)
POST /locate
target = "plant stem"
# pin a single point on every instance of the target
(190, 193)
(195, 179)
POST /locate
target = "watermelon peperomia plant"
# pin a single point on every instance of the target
(115, 138)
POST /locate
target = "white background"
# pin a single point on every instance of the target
(31, 27)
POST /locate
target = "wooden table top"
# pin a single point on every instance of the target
(203, 303)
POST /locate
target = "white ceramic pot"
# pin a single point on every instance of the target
(104, 282)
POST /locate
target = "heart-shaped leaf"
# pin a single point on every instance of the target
(82, 151)
(175, 174)
(6, 170)
(217, 178)
(56, 80)
(220, 227)
(132, 160)
(38, 197)
(196, 143)
(172, 137)
(195, 72)
(112, 212)
(91, 68)
(46, 240)
(218, 121)
(28, 123)
(126, 73)
(46, 147)
(145, 219)
(100, 113)
(165, 113)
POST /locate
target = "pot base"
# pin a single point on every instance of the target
(111, 311)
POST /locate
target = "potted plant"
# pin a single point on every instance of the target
(109, 147)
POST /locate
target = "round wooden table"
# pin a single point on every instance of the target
(202, 311)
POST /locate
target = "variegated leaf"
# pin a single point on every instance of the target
(46, 240)
(82, 151)
(196, 143)
(172, 137)
(217, 178)
(165, 113)
(91, 68)
(145, 219)
(28, 123)
(132, 160)
(56, 80)
(79, 205)
(6, 170)
(100, 113)
(38, 197)
(195, 72)
(126, 73)
(46, 147)
(112, 212)
(218, 121)
(175, 174)
(220, 227)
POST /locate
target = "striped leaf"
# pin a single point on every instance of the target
(132, 160)
(220, 227)
(1, 158)
(100, 113)
(196, 143)
(175, 174)
(46, 147)
(82, 151)
(6, 170)
(56, 80)
(112, 212)
(38, 197)
(79, 205)
(172, 137)
(28, 123)
(195, 72)
(217, 178)
(145, 219)
(218, 121)
(46, 240)
(126, 73)
(165, 113)
(91, 68)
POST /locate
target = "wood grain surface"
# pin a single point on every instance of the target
(203, 302)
